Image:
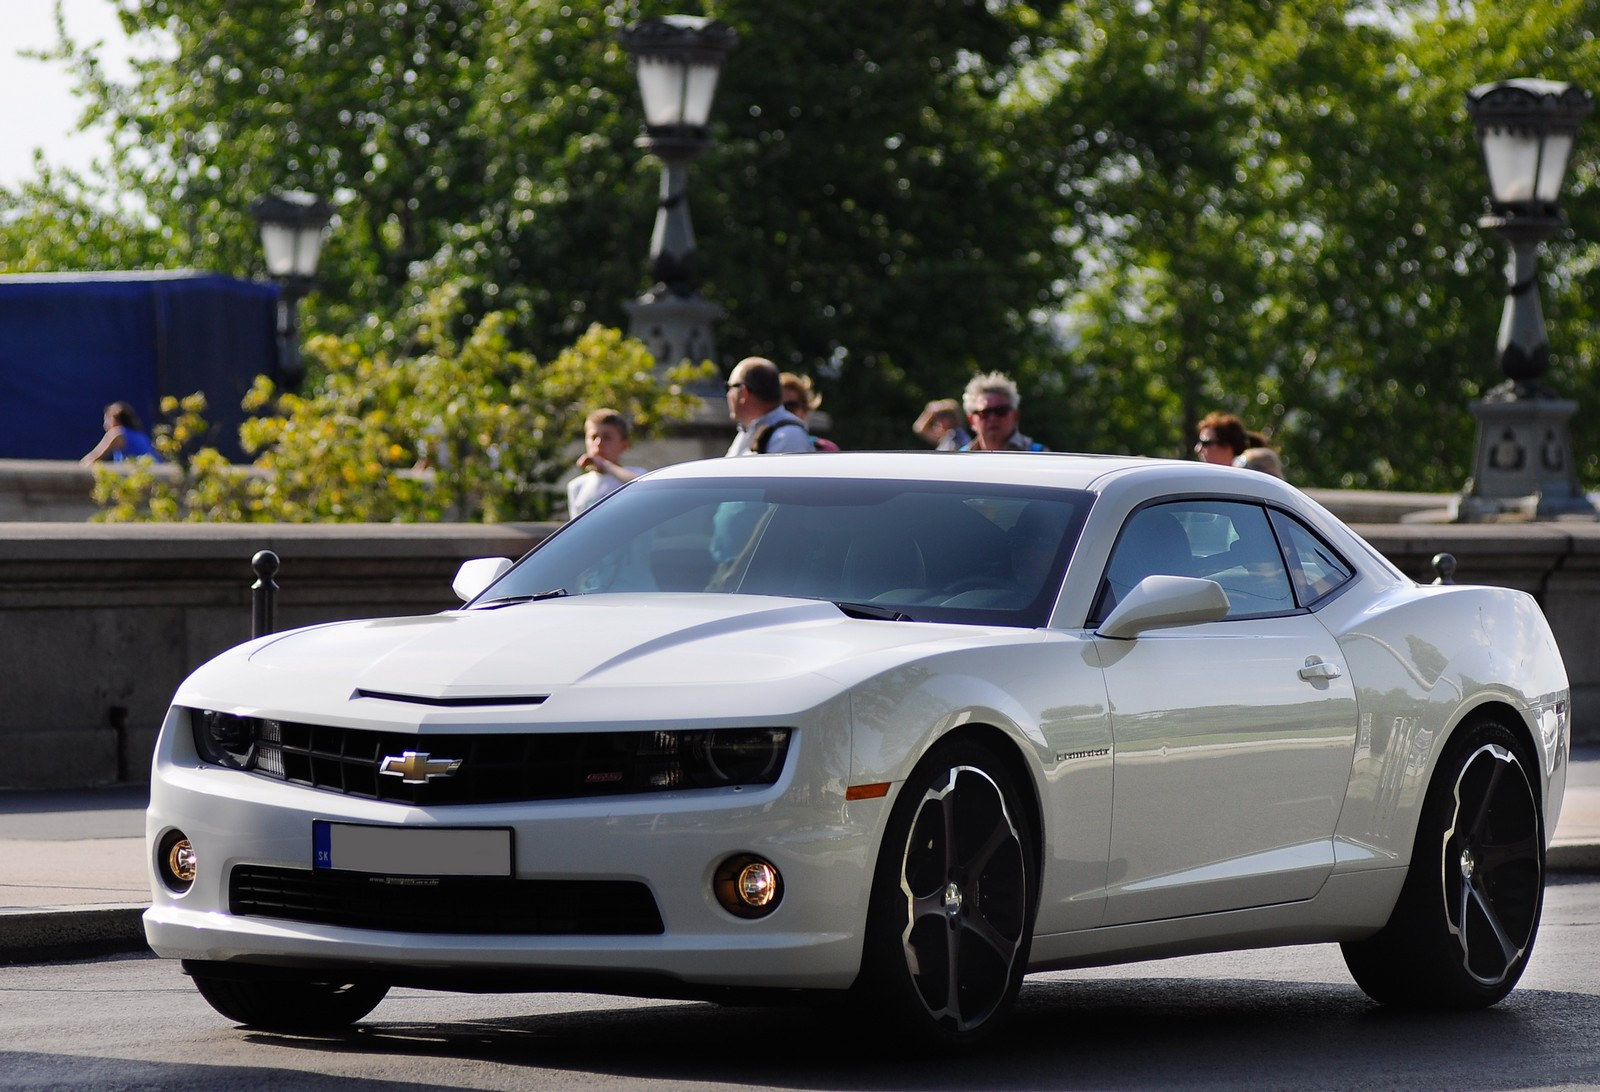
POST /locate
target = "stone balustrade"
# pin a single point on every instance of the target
(100, 622)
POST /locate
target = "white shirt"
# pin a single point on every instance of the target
(590, 486)
(782, 438)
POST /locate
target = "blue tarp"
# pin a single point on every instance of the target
(72, 344)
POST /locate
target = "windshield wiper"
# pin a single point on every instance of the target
(870, 610)
(510, 600)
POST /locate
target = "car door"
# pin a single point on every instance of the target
(1233, 739)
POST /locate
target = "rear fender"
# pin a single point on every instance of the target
(1426, 661)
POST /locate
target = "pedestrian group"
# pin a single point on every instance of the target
(772, 410)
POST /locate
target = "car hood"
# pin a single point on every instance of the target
(537, 652)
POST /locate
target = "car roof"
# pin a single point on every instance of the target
(1095, 473)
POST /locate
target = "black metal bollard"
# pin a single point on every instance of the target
(263, 593)
(1444, 567)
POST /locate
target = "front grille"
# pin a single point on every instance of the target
(494, 768)
(489, 768)
(450, 904)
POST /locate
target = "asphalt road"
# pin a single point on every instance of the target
(1288, 1018)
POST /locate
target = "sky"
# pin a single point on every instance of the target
(45, 112)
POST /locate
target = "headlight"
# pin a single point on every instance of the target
(224, 738)
(741, 756)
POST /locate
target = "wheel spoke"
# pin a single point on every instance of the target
(1471, 895)
(1485, 801)
(953, 968)
(981, 927)
(927, 906)
(947, 813)
(983, 856)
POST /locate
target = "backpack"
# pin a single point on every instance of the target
(763, 435)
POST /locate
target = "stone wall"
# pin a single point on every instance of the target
(45, 489)
(99, 623)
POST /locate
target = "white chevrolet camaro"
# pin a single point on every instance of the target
(887, 729)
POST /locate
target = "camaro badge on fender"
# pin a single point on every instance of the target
(418, 767)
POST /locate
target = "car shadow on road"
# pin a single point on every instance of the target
(1134, 1033)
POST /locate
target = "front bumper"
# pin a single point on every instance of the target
(671, 843)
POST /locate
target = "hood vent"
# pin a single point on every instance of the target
(468, 702)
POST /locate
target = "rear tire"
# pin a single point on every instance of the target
(1463, 928)
(952, 908)
(289, 1005)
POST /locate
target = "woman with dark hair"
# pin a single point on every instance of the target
(125, 437)
(1222, 438)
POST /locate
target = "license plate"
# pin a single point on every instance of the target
(411, 851)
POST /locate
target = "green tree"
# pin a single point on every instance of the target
(1277, 203)
(463, 428)
(1143, 211)
(868, 200)
(61, 221)
(878, 207)
(369, 103)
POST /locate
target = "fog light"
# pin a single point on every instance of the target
(748, 886)
(177, 861)
(758, 884)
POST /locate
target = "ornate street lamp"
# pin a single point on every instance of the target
(677, 59)
(293, 225)
(1523, 466)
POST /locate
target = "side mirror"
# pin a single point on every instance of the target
(477, 574)
(1159, 602)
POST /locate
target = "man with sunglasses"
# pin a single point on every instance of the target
(992, 403)
(755, 402)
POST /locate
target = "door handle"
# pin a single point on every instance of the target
(1317, 668)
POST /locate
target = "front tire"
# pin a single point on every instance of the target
(953, 898)
(287, 1004)
(1463, 928)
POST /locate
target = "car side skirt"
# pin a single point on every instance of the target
(1342, 910)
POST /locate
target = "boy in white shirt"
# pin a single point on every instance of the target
(605, 438)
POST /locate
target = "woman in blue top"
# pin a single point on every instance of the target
(125, 437)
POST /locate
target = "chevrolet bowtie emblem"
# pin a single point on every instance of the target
(418, 767)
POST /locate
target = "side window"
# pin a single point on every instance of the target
(1251, 569)
(1317, 571)
(1153, 543)
(1230, 543)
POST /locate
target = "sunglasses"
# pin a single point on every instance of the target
(794, 407)
(734, 386)
(994, 411)
(1211, 443)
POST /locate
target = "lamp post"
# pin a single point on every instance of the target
(293, 226)
(1523, 466)
(677, 59)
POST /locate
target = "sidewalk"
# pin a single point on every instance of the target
(73, 881)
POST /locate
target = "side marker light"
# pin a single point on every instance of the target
(867, 792)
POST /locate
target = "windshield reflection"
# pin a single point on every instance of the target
(925, 551)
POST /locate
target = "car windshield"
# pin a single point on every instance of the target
(923, 551)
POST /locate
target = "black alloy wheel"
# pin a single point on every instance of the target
(953, 899)
(1463, 928)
